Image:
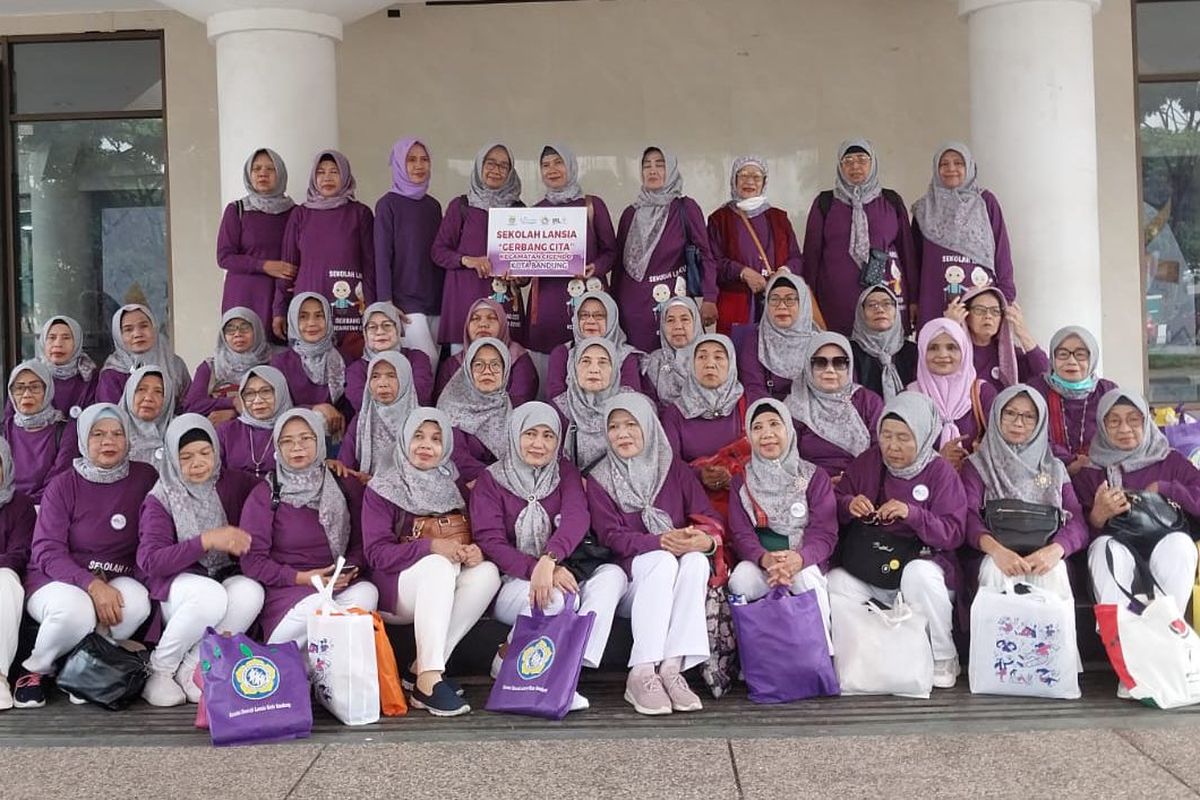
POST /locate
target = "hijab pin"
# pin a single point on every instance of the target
(1042, 480)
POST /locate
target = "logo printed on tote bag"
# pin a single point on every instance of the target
(255, 678)
(536, 658)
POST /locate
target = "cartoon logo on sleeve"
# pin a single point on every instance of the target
(661, 294)
(341, 294)
(980, 277)
(535, 658)
(118, 522)
(920, 493)
(255, 678)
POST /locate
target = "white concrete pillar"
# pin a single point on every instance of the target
(1033, 131)
(276, 87)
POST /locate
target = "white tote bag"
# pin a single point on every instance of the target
(1155, 653)
(341, 658)
(1023, 643)
(880, 650)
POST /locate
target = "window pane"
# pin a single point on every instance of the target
(91, 232)
(101, 75)
(1170, 139)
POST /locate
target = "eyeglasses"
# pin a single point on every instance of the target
(880, 305)
(839, 363)
(21, 389)
(1023, 417)
(484, 367)
(303, 440)
(593, 316)
(381, 327)
(250, 395)
(238, 327)
(1135, 423)
(856, 160)
(749, 177)
(986, 312)
(501, 166)
(1081, 355)
(786, 301)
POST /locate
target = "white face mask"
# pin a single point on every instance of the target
(752, 203)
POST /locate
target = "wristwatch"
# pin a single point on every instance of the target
(550, 556)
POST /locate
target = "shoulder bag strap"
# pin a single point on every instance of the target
(762, 254)
(977, 407)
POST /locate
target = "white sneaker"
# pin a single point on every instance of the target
(75, 699)
(579, 703)
(945, 673)
(1122, 692)
(184, 675)
(161, 690)
(6, 698)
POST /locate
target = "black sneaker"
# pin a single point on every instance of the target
(28, 692)
(408, 679)
(443, 702)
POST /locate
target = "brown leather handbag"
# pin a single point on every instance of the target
(455, 526)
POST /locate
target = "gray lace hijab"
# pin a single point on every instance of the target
(612, 331)
(88, 469)
(47, 414)
(1028, 471)
(1113, 460)
(421, 492)
(532, 484)
(586, 440)
(830, 415)
(275, 201)
(634, 483)
(194, 507)
(781, 350)
(78, 363)
(478, 193)
(651, 209)
(921, 416)
(314, 486)
(957, 218)
(570, 191)
(857, 198)
(880, 345)
(322, 362)
(229, 366)
(666, 368)
(380, 424)
(122, 359)
(146, 436)
(484, 415)
(392, 313)
(699, 402)
(283, 395)
(779, 486)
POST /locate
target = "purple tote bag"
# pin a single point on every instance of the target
(782, 646)
(254, 692)
(541, 670)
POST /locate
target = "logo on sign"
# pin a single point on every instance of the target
(536, 658)
(255, 678)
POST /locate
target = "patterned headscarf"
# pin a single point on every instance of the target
(84, 465)
(146, 436)
(634, 483)
(8, 475)
(421, 492)
(322, 362)
(314, 486)
(1028, 471)
(47, 414)
(1005, 349)
(1105, 454)
(781, 350)
(275, 201)
(379, 425)
(830, 415)
(699, 402)
(532, 484)
(750, 206)
(228, 366)
(917, 412)
(857, 197)
(779, 486)
(78, 363)
(881, 345)
(957, 218)
(651, 209)
(470, 410)
(283, 395)
(122, 359)
(392, 313)
(1085, 387)
(667, 368)
(587, 431)
(345, 192)
(612, 330)
(478, 193)
(571, 190)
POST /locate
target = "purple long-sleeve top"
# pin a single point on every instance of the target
(245, 242)
(820, 534)
(549, 323)
(757, 380)
(733, 257)
(69, 393)
(161, 556)
(968, 423)
(111, 384)
(1177, 479)
(827, 455)
(471, 456)
(40, 456)
(625, 533)
(938, 288)
(334, 253)
(404, 271)
(698, 438)
(666, 268)
(463, 232)
(422, 372)
(387, 544)
(246, 448)
(84, 526)
(833, 274)
(523, 381)
(203, 398)
(494, 512)
(1076, 421)
(1029, 364)
(1072, 536)
(304, 392)
(938, 520)
(286, 542)
(559, 362)
(17, 520)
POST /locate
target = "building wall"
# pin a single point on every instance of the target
(709, 79)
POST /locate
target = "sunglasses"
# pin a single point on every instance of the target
(839, 363)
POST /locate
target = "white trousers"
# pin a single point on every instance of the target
(1055, 580)
(421, 334)
(442, 601)
(665, 604)
(294, 625)
(923, 584)
(12, 602)
(600, 594)
(66, 615)
(750, 580)
(1173, 565)
(197, 602)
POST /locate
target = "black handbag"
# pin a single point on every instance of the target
(875, 555)
(588, 557)
(104, 673)
(1020, 526)
(1150, 517)
(874, 272)
(691, 262)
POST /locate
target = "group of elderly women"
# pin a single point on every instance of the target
(140, 501)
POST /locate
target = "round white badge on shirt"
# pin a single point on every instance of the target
(75, 411)
(799, 509)
(118, 522)
(996, 373)
(557, 520)
(920, 493)
(158, 454)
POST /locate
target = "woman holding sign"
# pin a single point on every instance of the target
(654, 238)
(460, 246)
(552, 301)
